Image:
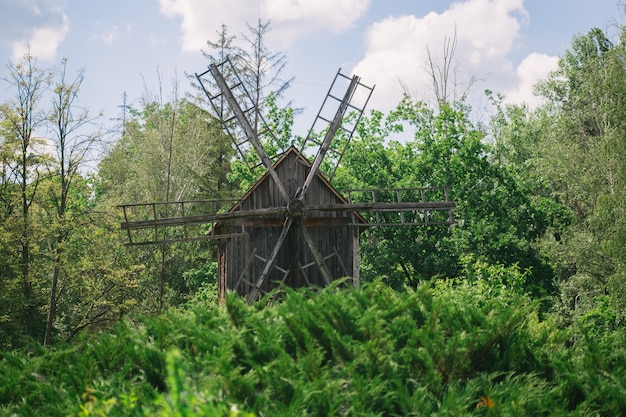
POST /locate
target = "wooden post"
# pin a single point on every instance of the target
(356, 261)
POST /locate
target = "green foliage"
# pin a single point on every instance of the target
(471, 346)
(169, 152)
(176, 140)
(496, 216)
(570, 156)
(197, 279)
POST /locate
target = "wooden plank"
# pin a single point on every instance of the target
(180, 202)
(356, 260)
(406, 224)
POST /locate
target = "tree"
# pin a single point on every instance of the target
(260, 69)
(261, 72)
(135, 169)
(444, 75)
(51, 238)
(263, 69)
(23, 155)
(11, 325)
(519, 146)
(584, 160)
(171, 151)
(496, 220)
(75, 137)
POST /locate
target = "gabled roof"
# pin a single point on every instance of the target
(302, 159)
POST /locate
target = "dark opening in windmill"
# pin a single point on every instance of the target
(292, 227)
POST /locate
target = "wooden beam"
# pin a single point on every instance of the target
(202, 218)
(356, 260)
(404, 206)
(279, 221)
(184, 239)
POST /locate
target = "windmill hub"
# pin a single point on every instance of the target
(295, 208)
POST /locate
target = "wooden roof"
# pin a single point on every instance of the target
(307, 163)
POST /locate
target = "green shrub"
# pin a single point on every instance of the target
(450, 347)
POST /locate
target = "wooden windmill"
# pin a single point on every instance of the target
(292, 227)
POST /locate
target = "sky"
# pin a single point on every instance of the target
(134, 46)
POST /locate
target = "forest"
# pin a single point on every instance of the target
(516, 309)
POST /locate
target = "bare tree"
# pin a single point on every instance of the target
(260, 69)
(74, 136)
(263, 69)
(444, 74)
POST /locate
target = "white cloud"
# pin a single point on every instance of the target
(201, 20)
(43, 41)
(534, 67)
(40, 24)
(397, 48)
(298, 16)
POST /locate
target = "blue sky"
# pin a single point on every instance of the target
(506, 45)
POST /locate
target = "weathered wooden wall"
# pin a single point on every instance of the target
(242, 259)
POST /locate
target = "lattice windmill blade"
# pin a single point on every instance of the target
(146, 223)
(354, 99)
(222, 108)
(243, 116)
(319, 259)
(397, 206)
(294, 211)
(323, 147)
(248, 117)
